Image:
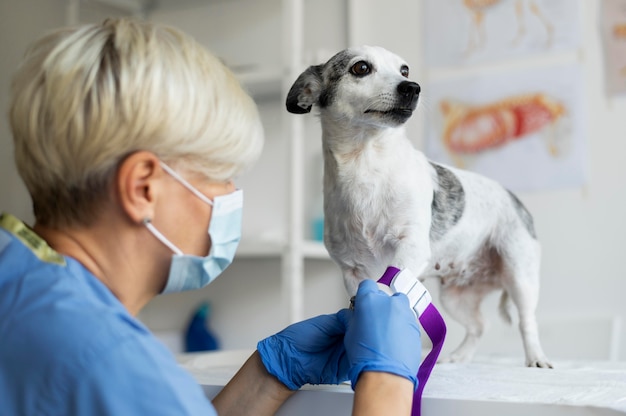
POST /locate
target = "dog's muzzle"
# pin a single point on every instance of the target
(408, 93)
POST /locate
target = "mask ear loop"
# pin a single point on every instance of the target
(148, 223)
(186, 184)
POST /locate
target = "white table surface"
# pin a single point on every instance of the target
(487, 386)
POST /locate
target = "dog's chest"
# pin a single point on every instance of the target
(369, 186)
(374, 195)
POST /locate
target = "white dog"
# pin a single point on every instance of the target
(386, 204)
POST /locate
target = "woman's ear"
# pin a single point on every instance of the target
(137, 183)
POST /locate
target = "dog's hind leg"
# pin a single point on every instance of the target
(463, 304)
(521, 281)
(525, 294)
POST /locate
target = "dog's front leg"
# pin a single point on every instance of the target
(414, 255)
(412, 247)
(351, 279)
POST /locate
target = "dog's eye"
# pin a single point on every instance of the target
(360, 69)
(404, 71)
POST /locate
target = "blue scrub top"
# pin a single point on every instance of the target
(69, 347)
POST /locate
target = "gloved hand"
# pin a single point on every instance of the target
(382, 334)
(310, 351)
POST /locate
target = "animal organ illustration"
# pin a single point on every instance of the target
(477, 36)
(472, 129)
(619, 33)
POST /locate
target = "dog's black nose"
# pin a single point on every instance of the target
(409, 89)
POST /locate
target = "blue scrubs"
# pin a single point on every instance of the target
(69, 347)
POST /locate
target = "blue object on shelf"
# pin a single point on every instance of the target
(198, 336)
(318, 229)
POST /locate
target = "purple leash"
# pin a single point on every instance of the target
(428, 316)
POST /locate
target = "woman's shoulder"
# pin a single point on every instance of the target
(66, 337)
(61, 313)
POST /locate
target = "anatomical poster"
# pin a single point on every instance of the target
(461, 32)
(613, 27)
(525, 129)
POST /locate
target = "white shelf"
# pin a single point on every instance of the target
(310, 249)
(314, 250)
(178, 4)
(260, 249)
(140, 6)
(134, 7)
(261, 83)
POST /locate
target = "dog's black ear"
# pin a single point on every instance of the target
(306, 91)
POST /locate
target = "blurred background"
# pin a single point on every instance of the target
(558, 59)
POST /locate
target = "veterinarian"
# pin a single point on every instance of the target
(128, 136)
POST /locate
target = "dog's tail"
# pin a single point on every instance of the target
(505, 307)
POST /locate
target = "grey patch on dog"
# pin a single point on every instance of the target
(335, 69)
(524, 215)
(448, 203)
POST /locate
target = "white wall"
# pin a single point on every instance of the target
(583, 231)
(21, 22)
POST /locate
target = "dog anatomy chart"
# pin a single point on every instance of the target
(459, 32)
(613, 26)
(524, 129)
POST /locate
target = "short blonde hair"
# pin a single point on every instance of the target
(84, 98)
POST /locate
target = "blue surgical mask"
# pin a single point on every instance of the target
(188, 272)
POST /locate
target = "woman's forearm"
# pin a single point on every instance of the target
(252, 391)
(381, 394)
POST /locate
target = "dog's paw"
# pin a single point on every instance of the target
(537, 359)
(539, 363)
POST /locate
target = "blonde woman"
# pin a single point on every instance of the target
(128, 136)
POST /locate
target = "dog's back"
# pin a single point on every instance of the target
(478, 230)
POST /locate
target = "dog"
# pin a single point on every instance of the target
(386, 204)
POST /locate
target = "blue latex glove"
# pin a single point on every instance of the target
(310, 351)
(382, 334)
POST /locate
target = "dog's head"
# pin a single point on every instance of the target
(366, 85)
